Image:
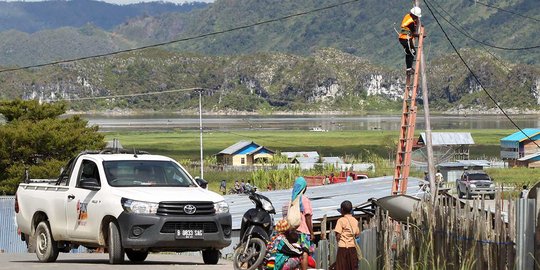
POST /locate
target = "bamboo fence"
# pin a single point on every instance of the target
(449, 235)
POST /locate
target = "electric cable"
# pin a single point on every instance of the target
(183, 39)
(462, 28)
(485, 43)
(134, 94)
(476, 78)
(505, 10)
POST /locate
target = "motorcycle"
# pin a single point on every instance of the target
(255, 231)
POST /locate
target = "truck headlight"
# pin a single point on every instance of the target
(473, 185)
(221, 207)
(139, 207)
(492, 185)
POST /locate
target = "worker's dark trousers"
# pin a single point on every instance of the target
(410, 51)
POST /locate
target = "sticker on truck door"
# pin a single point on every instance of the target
(82, 210)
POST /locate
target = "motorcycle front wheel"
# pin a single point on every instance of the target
(249, 258)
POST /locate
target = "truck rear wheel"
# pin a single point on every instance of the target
(46, 247)
(136, 255)
(116, 251)
(210, 256)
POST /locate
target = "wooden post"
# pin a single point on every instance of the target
(323, 228)
(429, 147)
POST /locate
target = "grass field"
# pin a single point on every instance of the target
(357, 145)
(183, 145)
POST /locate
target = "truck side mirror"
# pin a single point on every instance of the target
(89, 183)
(201, 182)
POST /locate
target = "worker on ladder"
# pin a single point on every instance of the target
(407, 34)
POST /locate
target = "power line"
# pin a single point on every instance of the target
(462, 28)
(475, 77)
(480, 41)
(183, 39)
(271, 100)
(135, 94)
(505, 10)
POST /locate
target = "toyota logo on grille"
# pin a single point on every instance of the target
(190, 209)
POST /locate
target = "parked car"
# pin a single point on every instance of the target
(130, 204)
(472, 183)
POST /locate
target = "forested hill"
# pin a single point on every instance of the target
(365, 28)
(30, 17)
(344, 58)
(326, 80)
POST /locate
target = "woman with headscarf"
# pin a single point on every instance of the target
(305, 230)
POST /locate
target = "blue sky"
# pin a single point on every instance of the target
(123, 2)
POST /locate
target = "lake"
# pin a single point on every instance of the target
(163, 122)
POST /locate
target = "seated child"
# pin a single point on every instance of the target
(287, 256)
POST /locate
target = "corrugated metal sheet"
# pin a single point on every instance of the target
(10, 241)
(465, 163)
(235, 147)
(260, 149)
(449, 138)
(519, 136)
(291, 155)
(529, 157)
(368, 245)
(332, 160)
(324, 199)
(475, 163)
(306, 160)
(525, 218)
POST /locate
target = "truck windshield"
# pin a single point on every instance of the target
(478, 176)
(146, 173)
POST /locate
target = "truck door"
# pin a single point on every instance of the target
(83, 202)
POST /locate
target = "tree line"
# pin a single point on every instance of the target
(39, 138)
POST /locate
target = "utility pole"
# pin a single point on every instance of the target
(201, 132)
(429, 146)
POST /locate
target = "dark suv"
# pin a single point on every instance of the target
(475, 183)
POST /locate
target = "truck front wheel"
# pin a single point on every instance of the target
(136, 255)
(46, 247)
(116, 251)
(210, 256)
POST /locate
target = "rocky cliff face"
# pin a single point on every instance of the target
(535, 90)
(384, 85)
(328, 79)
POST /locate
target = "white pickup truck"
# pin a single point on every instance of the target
(130, 204)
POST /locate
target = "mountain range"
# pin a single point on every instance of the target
(325, 80)
(341, 58)
(32, 17)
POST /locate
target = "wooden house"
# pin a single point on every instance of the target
(245, 153)
(521, 148)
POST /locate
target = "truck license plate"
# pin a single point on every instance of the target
(189, 234)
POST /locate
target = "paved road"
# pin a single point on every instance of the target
(86, 261)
